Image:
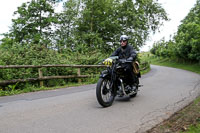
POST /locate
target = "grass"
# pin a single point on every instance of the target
(11, 89)
(186, 120)
(170, 63)
(195, 126)
(194, 129)
(30, 88)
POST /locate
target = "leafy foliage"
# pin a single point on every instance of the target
(40, 55)
(96, 24)
(34, 22)
(186, 43)
(107, 20)
(65, 29)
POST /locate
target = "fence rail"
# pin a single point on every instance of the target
(46, 66)
(41, 78)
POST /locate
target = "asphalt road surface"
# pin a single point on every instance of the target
(76, 110)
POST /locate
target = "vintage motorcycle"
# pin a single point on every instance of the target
(112, 82)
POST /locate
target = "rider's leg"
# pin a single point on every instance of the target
(130, 74)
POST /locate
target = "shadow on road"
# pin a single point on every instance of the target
(122, 99)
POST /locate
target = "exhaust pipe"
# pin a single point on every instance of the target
(122, 86)
(123, 89)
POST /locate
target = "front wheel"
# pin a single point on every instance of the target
(104, 93)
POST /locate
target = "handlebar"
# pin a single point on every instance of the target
(116, 59)
(125, 61)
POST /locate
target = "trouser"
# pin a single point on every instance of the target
(128, 68)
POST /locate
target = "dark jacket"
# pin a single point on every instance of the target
(125, 53)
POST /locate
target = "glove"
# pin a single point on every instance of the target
(108, 61)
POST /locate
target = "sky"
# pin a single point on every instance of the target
(7, 8)
(176, 10)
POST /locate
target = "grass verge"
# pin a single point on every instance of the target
(11, 89)
(31, 88)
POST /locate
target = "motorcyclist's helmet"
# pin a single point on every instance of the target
(123, 38)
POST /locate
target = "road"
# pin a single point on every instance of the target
(76, 110)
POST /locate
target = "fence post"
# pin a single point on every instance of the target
(79, 73)
(40, 76)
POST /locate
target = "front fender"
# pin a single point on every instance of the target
(104, 74)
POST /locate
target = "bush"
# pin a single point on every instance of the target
(39, 55)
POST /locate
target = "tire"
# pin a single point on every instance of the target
(137, 83)
(102, 90)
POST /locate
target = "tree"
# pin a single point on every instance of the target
(65, 33)
(187, 38)
(185, 45)
(106, 20)
(139, 18)
(34, 22)
(96, 23)
(86, 24)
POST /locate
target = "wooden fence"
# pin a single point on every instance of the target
(41, 78)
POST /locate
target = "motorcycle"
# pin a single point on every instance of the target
(112, 82)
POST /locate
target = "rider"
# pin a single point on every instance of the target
(127, 52)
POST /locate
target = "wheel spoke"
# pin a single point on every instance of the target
(107, 96)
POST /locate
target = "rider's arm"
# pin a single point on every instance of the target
(116, 53)
(133, 54)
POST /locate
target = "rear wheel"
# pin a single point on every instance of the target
(104, 93)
